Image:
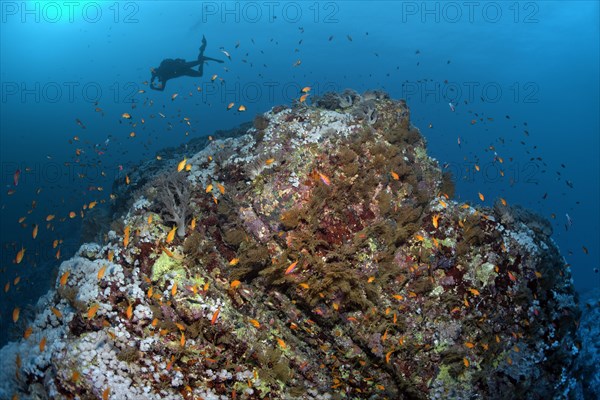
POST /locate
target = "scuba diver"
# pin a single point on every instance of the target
(169, 68)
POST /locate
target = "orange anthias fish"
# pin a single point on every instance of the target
(215, 316)
(92, 311)
(181, 165)
(129, 312)
(43, 344)
(255, 323)
(64, 277)
(171, 234)
(101, 272)
(291, 268)
(20, 255)
(434, 220)
(15, 314)
(324, 179)
(126, 236)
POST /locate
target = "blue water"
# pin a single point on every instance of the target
(529, 66)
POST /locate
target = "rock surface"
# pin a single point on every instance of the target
(324, 258)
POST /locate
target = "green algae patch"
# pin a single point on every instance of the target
(167, 265)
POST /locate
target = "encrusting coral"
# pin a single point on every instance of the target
(323, 258)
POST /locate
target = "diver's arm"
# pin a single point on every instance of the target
(159, 87)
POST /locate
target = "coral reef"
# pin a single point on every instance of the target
(323, 258)
(173, 196)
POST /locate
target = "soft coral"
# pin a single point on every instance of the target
(173, 197)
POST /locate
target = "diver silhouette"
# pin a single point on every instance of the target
(169, 68)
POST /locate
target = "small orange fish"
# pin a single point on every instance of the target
(234, 261)
(7, 287)
(111, 255)
(150, 292)
(269, 161)
(129, 312)
(92, 203)
(75, 377)
(469, 345)
(171, 234)
(395, 176)
(434, 220)
(221, 188)
(27, 332)
(255, 323)
(512, 277)
(235, 284)
(20, 255)
(474, 292)
(101, 272)
(371, 279)
(174, 96)
(398, 297)
(182, 340)
(126, 236)
(15, 314)
(127, 180)
(306, 89)
(303, 97)
(56, 312)
(241, 108)
(481, 197)
(324, 179)
(105, 394)
(215, 316)
(50, 217)
(64, 277)
(35, 231)
(43, 344)
(181, 165)
(387, 356)
(304, 285)
(126, 116)
(230, 105)
(209, 188)
(174, 289)
(503, 201)
(193, 224)
(466, 362)
(291, 268)
(92, 311)
(281, 343)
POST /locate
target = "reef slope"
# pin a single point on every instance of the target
(320, 256)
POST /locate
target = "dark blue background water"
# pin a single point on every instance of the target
(535, 62)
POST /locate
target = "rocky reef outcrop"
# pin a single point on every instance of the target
(323, 257)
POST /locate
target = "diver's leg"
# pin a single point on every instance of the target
(191, 64)
(202, 48)
(213, 59)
